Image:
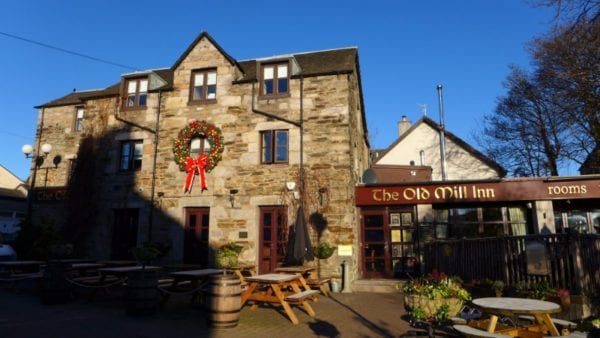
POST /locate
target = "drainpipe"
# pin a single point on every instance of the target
(442, 134)
(156, 127)
(31, 191)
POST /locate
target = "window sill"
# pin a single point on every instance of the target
(123, 109)
(276, 164)
(269, 97)
(202, 102)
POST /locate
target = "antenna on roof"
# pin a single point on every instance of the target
(423, 108)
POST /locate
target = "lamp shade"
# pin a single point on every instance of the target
(46, 148)
(27, 149)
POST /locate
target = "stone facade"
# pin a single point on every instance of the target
(335, 153)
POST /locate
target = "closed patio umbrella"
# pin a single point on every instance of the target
(299, 246)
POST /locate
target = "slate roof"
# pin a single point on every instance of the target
(326, 62)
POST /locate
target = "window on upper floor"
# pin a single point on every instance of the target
(199, 145)
(274, 146)
(275, 79)
(131, 155)
(203, 85)
(136, 93)
(79, 112)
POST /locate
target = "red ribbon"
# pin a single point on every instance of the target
(193, 168)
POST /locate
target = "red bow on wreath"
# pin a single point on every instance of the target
(193, 168)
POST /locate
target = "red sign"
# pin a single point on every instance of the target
(484, 191)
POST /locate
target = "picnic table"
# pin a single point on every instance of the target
(299, 271)
(272, 288)
(21, 266)
(186, 282)
(512, 307)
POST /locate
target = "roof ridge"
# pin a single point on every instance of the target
(298, 53)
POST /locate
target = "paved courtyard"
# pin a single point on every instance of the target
(343, 315)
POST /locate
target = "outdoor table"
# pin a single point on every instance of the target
(238, 270)
(300, 271)
(75, 260)
(82, 268)
(198, 279)
(124, 270)
(117, 263)
(21, 266)
(276, 284)
(504, 306)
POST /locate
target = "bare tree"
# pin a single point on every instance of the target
(527, 134)
(568, 65)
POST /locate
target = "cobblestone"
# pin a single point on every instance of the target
(343, 315)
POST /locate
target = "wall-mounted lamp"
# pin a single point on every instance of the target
(27, 149)
(160, 194)
(232, 193)
(322, 195)
(290, 185)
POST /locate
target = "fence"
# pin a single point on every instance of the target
(573, 260)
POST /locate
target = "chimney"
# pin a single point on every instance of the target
(403, 125)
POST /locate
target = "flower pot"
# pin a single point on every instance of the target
(431, 306)
(565, 302)
(227, 261)
(498, 292)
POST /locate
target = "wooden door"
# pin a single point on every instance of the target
(273, 232)
(376, 262)
(124, 235)
(195, 246)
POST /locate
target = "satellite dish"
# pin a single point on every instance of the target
(369, 176)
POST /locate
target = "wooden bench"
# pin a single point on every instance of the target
(469, 331)
(301, 296)
(321, 284)
(556, 321)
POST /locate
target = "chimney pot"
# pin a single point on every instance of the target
(403, 125)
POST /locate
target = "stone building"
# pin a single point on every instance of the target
(114, 182)
(13, 204)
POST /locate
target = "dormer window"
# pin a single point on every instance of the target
(199, 145)
(136, 93)
(79, 112)
(275, 79)
(203, 85)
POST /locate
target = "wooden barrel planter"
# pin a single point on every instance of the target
(224, 301)
(142, 297)
(54, 288)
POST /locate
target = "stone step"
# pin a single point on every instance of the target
(376, 285)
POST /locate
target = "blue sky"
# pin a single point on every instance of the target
(405, 48)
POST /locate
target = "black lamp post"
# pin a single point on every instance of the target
(27, 149)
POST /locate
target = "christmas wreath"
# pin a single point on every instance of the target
(181, 146)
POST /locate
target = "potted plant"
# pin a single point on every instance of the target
(142, 286)
(324, 250)
(565, 298)
(435, 296)
(498, 287)
(227, 255)
(54, 288)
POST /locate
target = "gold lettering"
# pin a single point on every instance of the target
(424, 194)
(376, 193)
(567, 189)
(409, 194)
(440, 192)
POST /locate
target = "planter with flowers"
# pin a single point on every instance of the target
(434, 297)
